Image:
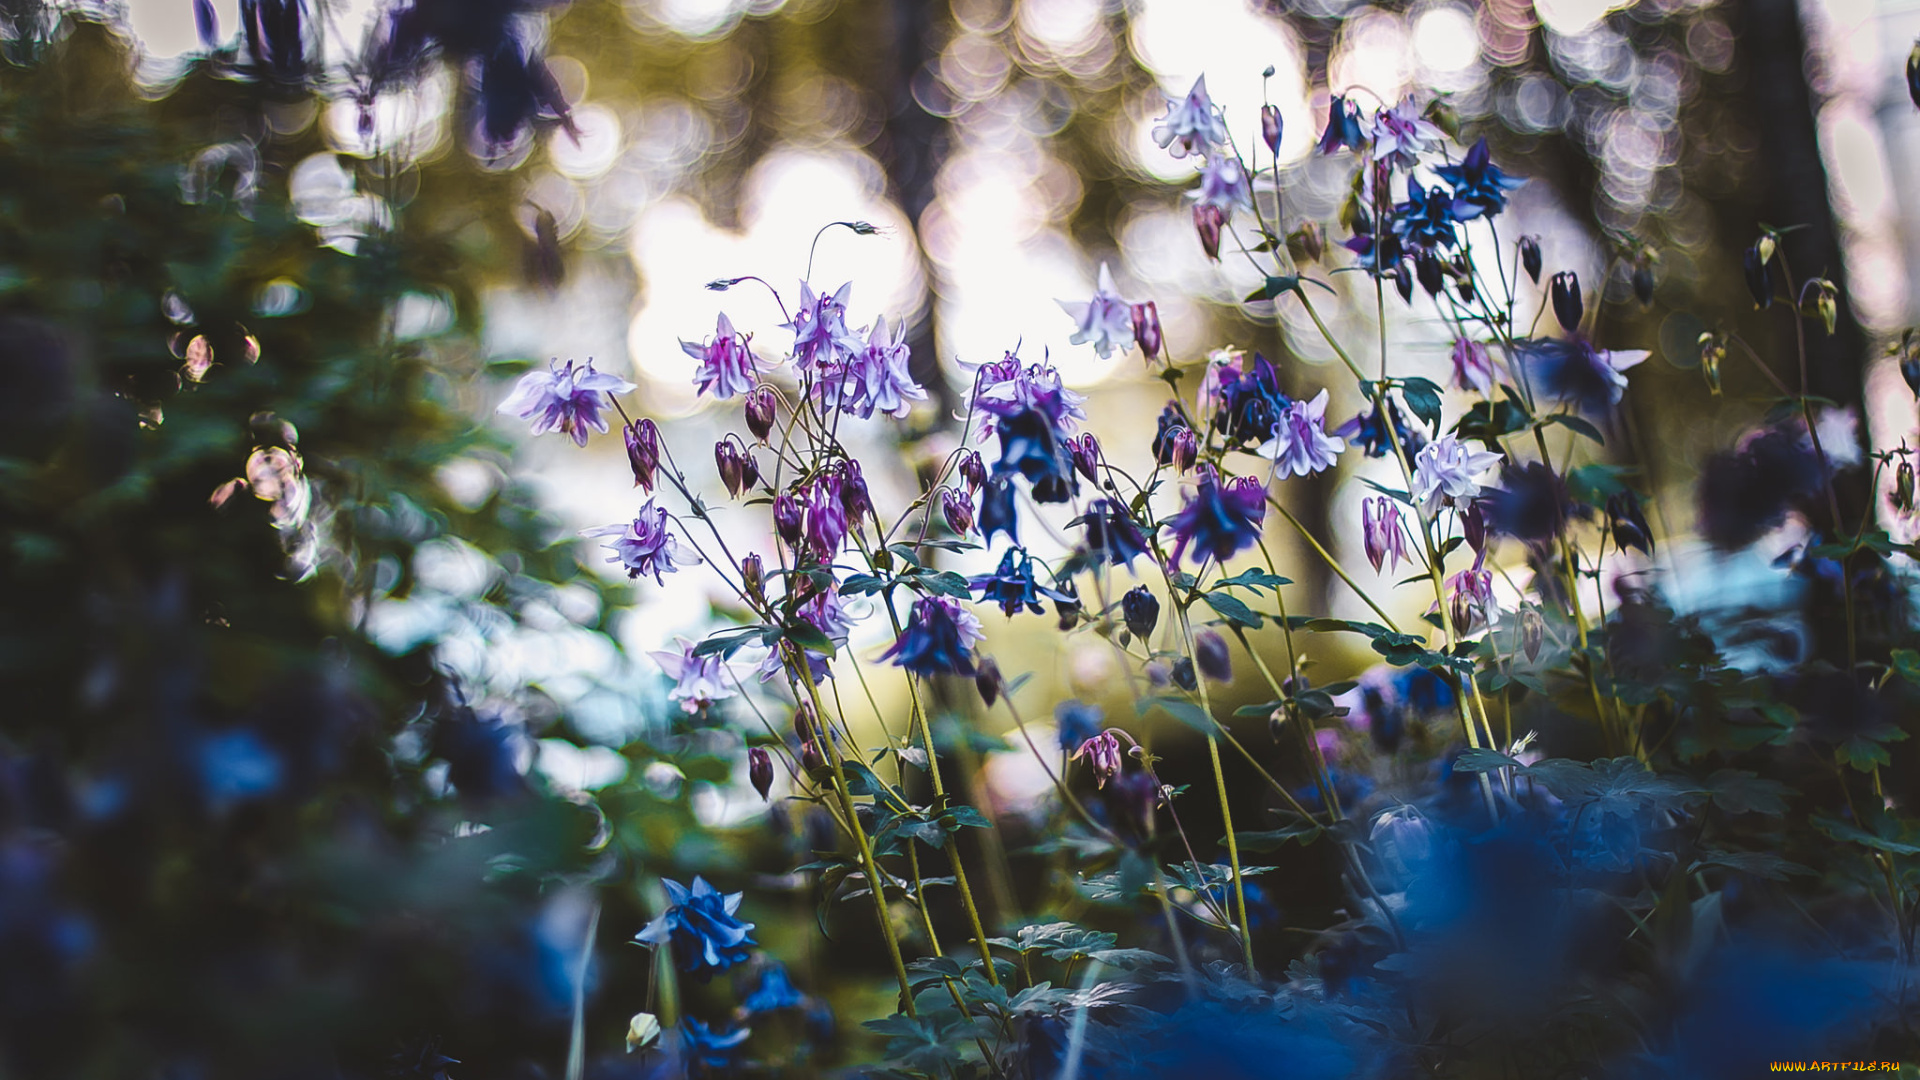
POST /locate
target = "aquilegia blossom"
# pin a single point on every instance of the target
(726, 363)
(1426, 219)
(1472, 366)
(1343, 126)
(1112, 533)
(568, 400)
(875, 378)
(1479, 187)
(1223, 185)
(1401, 134)
(1218, 521)
(938, 640)
(1106, 320)
(1447, 469)
(820, 333)
(1575, 372)
(646, 546)
(1192, 125)
(1382, 533)
(699, 681)
(1033, 447)
(701, 927)
(1012, 586)
(1300, 444)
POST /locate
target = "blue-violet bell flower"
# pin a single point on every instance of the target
(1218, 522)
(1479, 187)
(1032, 446)
(821, 337)
(1012, 585)
(646, 546)
(1300, 444)
(712, 1049)
(699, 681)
(938, 640)
(1573, 371)
(702, 927)
(1343, 126)
(1192, 124)
(1106, 320)
(876, 377)
(1426, 219)
(1112, 533)
(1472, 366)
(726, 363)
(569, 400)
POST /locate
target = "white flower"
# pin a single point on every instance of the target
(1447, 470)
(1192, 125)
(1300, 443)
(1106, 320)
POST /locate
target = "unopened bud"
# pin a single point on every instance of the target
(732, 465)
(643, 450)
(1643, 282)
(1270, 127)
(1183, 674)
(761, 406)
(1084, 449)
(973, 470)
(1146, 328)
(1186, 448)
(1211, 654)
(811, 759)
(1530, 257)
(1207, 221)
(804, 727)
(853, 493)
(986, 679)
(1903, 487)
(1568, 305)
(753, 577)
(957, 509)
(789, 518)
(1713, 350)
(1533, 632)
(760, 770)
(1473, 525)
(1141, 611)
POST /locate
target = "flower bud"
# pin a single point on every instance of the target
(1754, 264)
(1903, 487)
(1643, 282)
(1627, 524)
(749, 471)
(1141, 611)
(1146, 328)
(789, 518)
(726, 457)
(1713, 350)
(804, 727)
(1270, 127)
(1825, 301)
(760, 770)
(1186, 449)
(1473, 525)
(753, 577)
(1307, 243)
(1530, 257)
(853, 493)
(761, 405)
(1533, 633)
(957, 510)
(1103, 757)
(1568, 307)
(1084, 449)
(973, 470)
(1183, 674)
(1207, 221)
(987, 680)
(1210, 653)
(1432, 276)
(811, 759)
(643, 450)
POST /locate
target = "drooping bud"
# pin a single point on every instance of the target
(1067, 606)
(1103, 757)
(987, 680)
(643, 450)
(1428, 270)
(1825, 302)
(1084, 449)
(1146, 328)
(1382, 534)
(1207, 221)
(761, 406)
(957, 510)
(853, 493)
(1270, 127)
(1473, 525)
(1903, 487)
(1307, 243)
(1211, 654)
(1643, 282)
(1533, 633)
(1758, 273)
(1530, 257)
(1141, 611)
(1186, 448)
(1183, 674)
(789, 518)
(973, 470)
(1713, 350)
(811, 759)
(749, 471)
(1568, 306)
(732, 465)
(760, 770)
(804, 727)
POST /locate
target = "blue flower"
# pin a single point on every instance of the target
(1140, 610)
(1747, 491)
(939, 639)
(1251, 403)
(1218, 522)
(517, 89)
(1426, 219)
(1343, 126)
(1479, 187)
(1032, 445)
(1530, 504)
(713, 1049)
(236, 765)
(997, 513)
(701, 927)
(1576, 373)
(569, 400)
(1368, 430)
(1111, 532)
(776, 991)
(1078, 722)
(1012, 585)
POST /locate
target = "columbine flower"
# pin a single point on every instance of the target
(876, 377)
(1140, 610)
(1629, 526)
(1472, 366)
(1576, 373)
(699, 681)
(1343, 126)
(1032, 446)
(1530, 504)
(646, 546)
(1300, 443)
(1212, 657)
(1368, 431)
(760, 410)
(820, 333)
(997, 513)
(1447, 470)
(726, 362)
(713, 1049)
(1401, 134)
(826, 517)
(1479, 187)
(1223, 185)
(1106, 320)
(1102, 752)
(1251, 402)
(1012, 586)
(1112, 533)
(776, 991)
(643, 450)
(568, 400)
(957, 508)
(760, 770)
(701, 927)
(1192, 125)
(1568, 307)
(939, 639)
(1218, 522)
(1472, 607)
(1084, 449)
(1222, 371)
(1382, 533)
(1426, 218)
(1006, 387)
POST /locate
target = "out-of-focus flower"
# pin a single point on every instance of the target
(1217, 522)
(1141, 611)
(643, 1030)
(1032, 446)
(1401, 134)
(776, 991)
(643, 450)
(1300, 444)
(939, 639)
(1146, 328)
(1208, 220)
(1112, 533)
(1212, 657)
(1105, 320)
(727, 362)
(988, 681)
(875, 378)
(1102, 752)
(1077, 722)
(1568, 307)
(1223, 185)
(277, 36)
(760, 770)
(1447, 470)
(1575, 372)
(821, 336)
(206, 24)
(1270, 127)
(516, 89)
(1383, 533)
(1472, 366)
(997, 513)
(1746, 491)
(702, 928)
(1367, 431)
(568, 400)
(1530, 504)
(1343, 126)
(1479, 187)
(646, 546)
(1533, 632)
(1192, 124)
(699, 681)
(1629, 525)
(714, 1050)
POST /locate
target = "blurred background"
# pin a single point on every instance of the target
(1004, 150)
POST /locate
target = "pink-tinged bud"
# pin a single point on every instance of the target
(853, 493)
(1103, 757)
(811, 759)
(753, 577)
(643, 450)
(790, 518)
(760, 770)
(973, 470)
(1472, 605)
(957, 509)
(986, 679)
(1382, 533)
(1473, 525)
(1211, 656)
(1146, 328)
(732, 465)
(1186, 448)
(1533, 632)
(1208, 221)
(1270, 127)
(760, 411)
(804, 727)
(1084, 449)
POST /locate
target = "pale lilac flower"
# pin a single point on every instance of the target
(699, 680)
(1106, 320)
(1223, 185)
(820, 333)
(1192, 125)
(568, 400)
(726, 362)
(1472, 607)
(1472, 366)
(1401, 134)
(1103, 755)
(876, 377)
(1382, 533)
(1300, 444)
(646, 546)
(1448, 470)
(1008, 388)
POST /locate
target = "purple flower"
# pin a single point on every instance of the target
(1426, 220)
(1447, 470)
(1576, 373)
(1367, 431)
(1472, 366)
(1207, 222)
(1012, 586)
(997, 512)
(699, 681)
(1471, 606)
(643, 450)
(826, 517)
(1218, 522)
(957, 508)
(1006, 387)
(1479, 187)
(1383, 533)
(1192, 125)
(939, 639)
(1106, 320)
(1251, 401)
(1401, 134)
(646, 546)
(1270, 127)
(1031, 446)
(568, 400)
(821, 337)
(1223, 185)
(1212, 657)
(875, 377)
(1102, 752)
(1146, 328)
(1300, 444)
(1343, 126)
(726, 362)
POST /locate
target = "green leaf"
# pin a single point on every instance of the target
(808, 636)
(1273, 287)
(1738, 791)
(1576, 424)
(1252, 579)
(1906, 664)
(1853, 834)
(1180, 709)
(1298, 832)
(1422, 398)
(862, 781)
(1232, 609)
(1479, 759)
(944, 582)
(862, 585)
